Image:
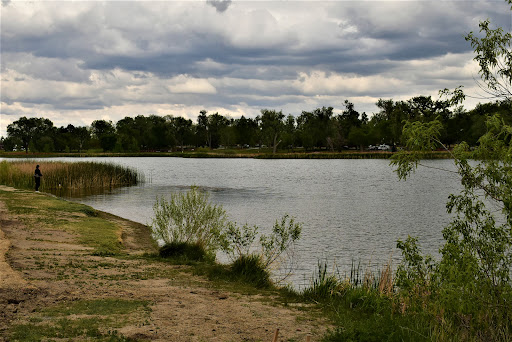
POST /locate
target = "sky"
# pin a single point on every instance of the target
(74, 62)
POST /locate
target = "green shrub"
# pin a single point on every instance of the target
(279, 244)
(469, 290)
(189, 218)
(185, 251)
(363, 308)
(194, 229)
(380, 328)
(276, 248)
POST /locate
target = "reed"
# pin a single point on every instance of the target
(251, 269)
(62, 176)
(326, 285)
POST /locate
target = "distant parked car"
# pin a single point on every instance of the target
(372, 148)
(384, 147)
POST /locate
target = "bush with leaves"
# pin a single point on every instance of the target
(192, 228)
(469, 289)
(189, 218)
(275, 248)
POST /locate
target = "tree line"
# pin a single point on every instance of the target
(320, 129)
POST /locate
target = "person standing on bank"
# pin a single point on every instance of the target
(37, 177)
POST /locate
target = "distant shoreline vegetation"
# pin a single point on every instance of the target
(231, 154)
(273, 131)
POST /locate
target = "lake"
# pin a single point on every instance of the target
(351, 210)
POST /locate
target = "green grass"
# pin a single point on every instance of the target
(250, 269)
(184, 252)
(44, 212)
(104, 307)
(364, 307)
(92, 319)
(102, 235)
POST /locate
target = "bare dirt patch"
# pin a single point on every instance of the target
(46, 268)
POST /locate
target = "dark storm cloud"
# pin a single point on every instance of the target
(50, 69)
(62, 44)
(220, 5)
(421, 29)
(437, 37)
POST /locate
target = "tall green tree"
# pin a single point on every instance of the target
(316, 129)
(158, 132)
(105, 133)
(202, 127)
(346, 121)
(128, 135)
(217, 123)
(290, 130)
(272, 127)
(246, 130)
(182, 130)
(228, 133)
(28, 130)
(82, 135)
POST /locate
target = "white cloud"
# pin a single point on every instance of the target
(184, 84)
(321, 83)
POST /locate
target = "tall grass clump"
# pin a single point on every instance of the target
(185, 252)
(327, 285)
(68, 177)
(251, 269)
(363, 304)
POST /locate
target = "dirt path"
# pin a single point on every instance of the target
(45, 268)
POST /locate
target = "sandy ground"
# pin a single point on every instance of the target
(44, 268)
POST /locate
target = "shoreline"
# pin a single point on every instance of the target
(230, 154)
(69, 273)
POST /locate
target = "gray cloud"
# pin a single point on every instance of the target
(109, 59)
(220, 5)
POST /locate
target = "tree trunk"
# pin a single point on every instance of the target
(274, 150)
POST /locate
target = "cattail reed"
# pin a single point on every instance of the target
(62, 176)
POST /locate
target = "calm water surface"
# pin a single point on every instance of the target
(351, 210)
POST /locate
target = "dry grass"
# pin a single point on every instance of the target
(68, 176)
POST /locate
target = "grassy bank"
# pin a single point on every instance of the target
(94, 276)
(361, 305)
(49, 213)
